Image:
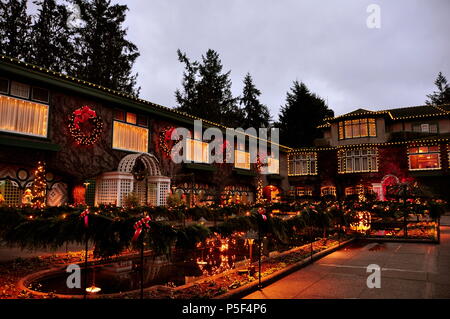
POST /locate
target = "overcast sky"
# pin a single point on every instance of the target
(325, 44)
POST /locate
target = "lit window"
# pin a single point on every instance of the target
(424, 158)
(358, 160)
(131, 118)
(273, 165)
(130, 137)
(302, 164)
(20, 90)
(357, 128)
(328, 191)
(23, 117)
(197, 151)
(303, 191)
(119, 115)
(241, 159)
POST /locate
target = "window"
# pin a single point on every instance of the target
(10, 192)
(241, 159)
(4, 86)
(273, 165)
(424, 158)
(357, 128)
(197, 151)
(425, 127)
(131, 118)
(302, 164)
(119, 115)
(328, 191)
(130, 137)
(358, 160)
(40, 95)
(23, 117)
(303, 191)
(20, 90)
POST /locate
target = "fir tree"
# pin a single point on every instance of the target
(300, 116)
(51, 44)
(256, 114)
(442, 95)
(15, 29)
(105, 56)
(207, 91)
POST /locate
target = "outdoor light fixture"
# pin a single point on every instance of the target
(93, 289)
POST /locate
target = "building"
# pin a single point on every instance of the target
(366, 151)
(100, 145)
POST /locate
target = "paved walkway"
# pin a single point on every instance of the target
(409, 270)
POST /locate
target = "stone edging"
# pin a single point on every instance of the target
(253, 286)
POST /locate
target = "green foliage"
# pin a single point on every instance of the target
(132, 200)
(111, 228)
(207, 91)
(300, 116)
(442, 95)
(256, 114)
(15, 29)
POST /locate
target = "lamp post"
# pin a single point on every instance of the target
(250, 237)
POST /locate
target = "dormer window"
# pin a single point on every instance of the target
(357, 128)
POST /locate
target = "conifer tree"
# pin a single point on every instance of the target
(104, 55)
(442, 95)
(51, 38)
(256, 114)
(15, 29)
(207, 91)
(300, 116)
(39, 189)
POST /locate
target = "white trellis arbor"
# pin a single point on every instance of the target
(113, 187)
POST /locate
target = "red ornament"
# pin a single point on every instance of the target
(139, 225)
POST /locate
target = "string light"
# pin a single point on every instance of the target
(39, 188)
(75, 131)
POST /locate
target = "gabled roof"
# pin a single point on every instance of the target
(402, 113)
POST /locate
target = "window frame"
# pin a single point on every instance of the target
(310, 158)
(410, 154)
(350, 125)
(29, 134)
(343, 159)
(203, 143)
(247, 155)
(128, 150)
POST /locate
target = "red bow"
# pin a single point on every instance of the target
(262, 212)
(139, 225)
(85, 215)
(82, 115)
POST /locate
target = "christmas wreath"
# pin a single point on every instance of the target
(165, 140)
(85, 126)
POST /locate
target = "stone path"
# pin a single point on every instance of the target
(408, 270)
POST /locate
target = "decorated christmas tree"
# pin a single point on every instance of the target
(39, 186)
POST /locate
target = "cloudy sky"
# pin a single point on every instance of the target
(325, 44)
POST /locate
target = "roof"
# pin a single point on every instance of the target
(65, 81)
(401, 113)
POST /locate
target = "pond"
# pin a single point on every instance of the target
(211, 257)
